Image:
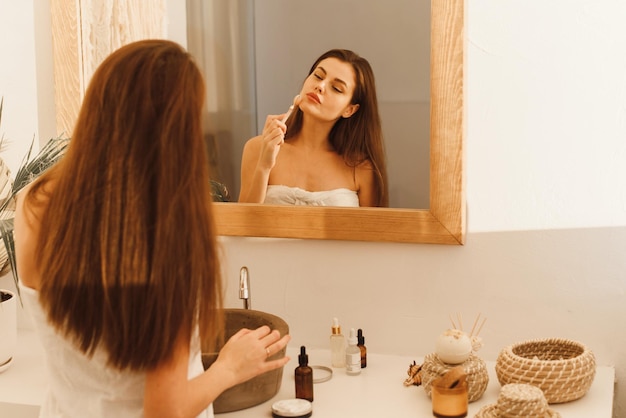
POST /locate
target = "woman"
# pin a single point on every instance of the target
(330, 151)
(117, 254)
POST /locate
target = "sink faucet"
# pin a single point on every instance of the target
(244, 287)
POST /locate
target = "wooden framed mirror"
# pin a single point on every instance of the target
(443, 222)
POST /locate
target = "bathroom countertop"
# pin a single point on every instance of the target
(377, 392)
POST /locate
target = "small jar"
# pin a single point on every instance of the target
(450, 402)
(292, 408)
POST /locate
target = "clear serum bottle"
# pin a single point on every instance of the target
(304, 377)
(361, 345)
(337, 345)
(353, 355)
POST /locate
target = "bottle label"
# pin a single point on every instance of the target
(353, 362)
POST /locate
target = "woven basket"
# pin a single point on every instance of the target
(475, 368)
(519, 400)
(562, 369)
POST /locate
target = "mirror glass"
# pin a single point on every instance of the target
(256, 54)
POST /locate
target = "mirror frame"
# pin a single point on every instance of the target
(443, 222)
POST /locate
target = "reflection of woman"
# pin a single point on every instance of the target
(330, 151)
(117, 254)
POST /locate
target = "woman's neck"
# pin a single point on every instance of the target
(314, 135)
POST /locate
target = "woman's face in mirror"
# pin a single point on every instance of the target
(327, 92)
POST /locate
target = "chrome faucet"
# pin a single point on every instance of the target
(244, 287)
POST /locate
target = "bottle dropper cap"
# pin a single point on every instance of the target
(336, 329)
(360, 337)
(352, 340)
(303, 358)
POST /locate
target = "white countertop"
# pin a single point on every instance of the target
(377, 392)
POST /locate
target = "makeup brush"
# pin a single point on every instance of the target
(296, 101)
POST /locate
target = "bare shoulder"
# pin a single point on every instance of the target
(364, 176)
(364, 172)
(251, 150)
(24, 209)
(26, 235)
(365, 166)
(21, 207)
(253, 143)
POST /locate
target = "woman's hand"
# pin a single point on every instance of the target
(259, 158)
(170, 393)
(272, 137)
(245, 354)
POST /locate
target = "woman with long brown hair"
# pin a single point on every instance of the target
(117, 255)
(330, 150)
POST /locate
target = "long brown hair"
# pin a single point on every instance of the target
(127, 247)
(358, 138)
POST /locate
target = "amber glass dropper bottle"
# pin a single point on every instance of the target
(304, 377)
(361, 345)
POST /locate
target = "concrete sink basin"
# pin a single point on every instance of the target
(261, 388)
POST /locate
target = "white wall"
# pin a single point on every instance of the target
(18, 83)
(547, 120)
(546, 222)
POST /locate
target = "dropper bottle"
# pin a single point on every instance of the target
(304, 377)
(361, 345)
(337, 345)
(353, 355)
